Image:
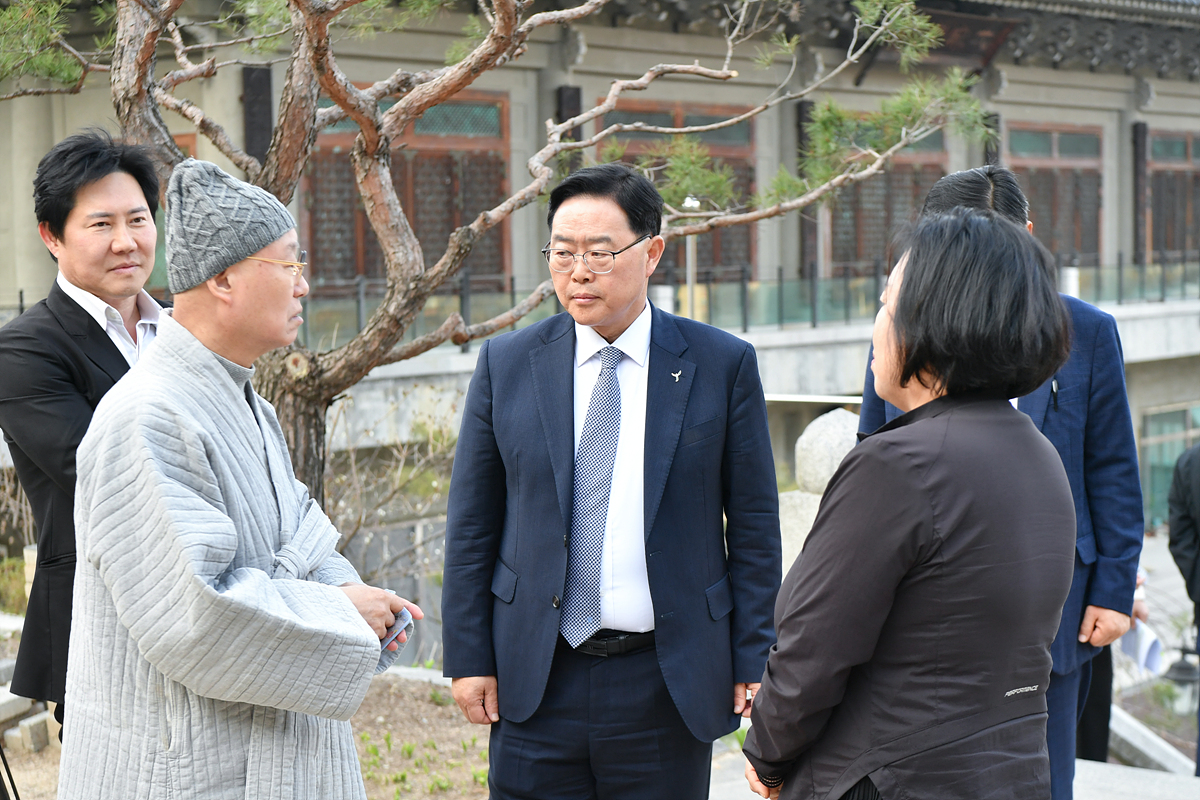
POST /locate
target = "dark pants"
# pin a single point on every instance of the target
(1091, 738)
(606, 728)
(1065, 698)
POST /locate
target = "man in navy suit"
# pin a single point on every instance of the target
(94, 200)
(612, 538)
(1084, 412)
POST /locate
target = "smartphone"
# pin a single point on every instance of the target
(402, 621)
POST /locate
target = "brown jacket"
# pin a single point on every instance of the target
(914, 629)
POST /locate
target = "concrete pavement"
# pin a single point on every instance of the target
(1093, 781)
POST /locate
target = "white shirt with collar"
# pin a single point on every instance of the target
(109, 319)
(625, 603)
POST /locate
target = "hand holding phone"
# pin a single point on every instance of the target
(402, 621)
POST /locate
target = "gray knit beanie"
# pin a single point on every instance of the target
(214, 221)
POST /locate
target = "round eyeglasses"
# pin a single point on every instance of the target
(297, 267)
(598, 261)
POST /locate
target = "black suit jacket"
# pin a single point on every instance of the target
(55, 365)
(1184, 504)
(915, 628)
(711, 516)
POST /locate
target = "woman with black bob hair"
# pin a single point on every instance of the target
(981, 312)
(914, 629)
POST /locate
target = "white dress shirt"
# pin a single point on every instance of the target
(110, 319)
(625, 603)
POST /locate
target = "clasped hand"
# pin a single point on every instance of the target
(379, 608)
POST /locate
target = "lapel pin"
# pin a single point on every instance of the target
(676, 375)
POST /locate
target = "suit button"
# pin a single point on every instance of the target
(554, 601)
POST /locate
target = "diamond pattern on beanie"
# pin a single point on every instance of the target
(213, 221)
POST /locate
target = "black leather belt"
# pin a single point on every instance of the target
(616, 644)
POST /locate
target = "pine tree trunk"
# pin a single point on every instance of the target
(285, 379)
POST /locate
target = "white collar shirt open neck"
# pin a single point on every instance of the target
(625, 603)
(110, 321)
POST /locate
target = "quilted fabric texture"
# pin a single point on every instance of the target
(194, 671)
(213, 221)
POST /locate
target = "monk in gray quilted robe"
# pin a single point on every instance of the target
(219, 644)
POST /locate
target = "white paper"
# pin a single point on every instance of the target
(1143, 646)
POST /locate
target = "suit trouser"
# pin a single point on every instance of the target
(1091, 738)
(1065, 699)
(606, 728)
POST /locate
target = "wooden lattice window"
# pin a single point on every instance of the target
(863, 217)
(1174, 191)
(733, 146)
(1059, 171)
(449, 166)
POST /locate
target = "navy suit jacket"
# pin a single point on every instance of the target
(55, 365)
(1087, 420)
(711, 516)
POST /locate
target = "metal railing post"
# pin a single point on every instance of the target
(464, 303)
(779, 294)
(1120, 277)
(1142, 278)
(1162, 274)
(20, 301)
(846, 292)
(708, 287)
(814, 285)
(745, 298)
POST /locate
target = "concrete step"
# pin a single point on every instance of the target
(12, 706)
(1096, 781)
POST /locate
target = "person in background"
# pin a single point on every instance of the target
(94, 199)
(1183, 502)
(221, 644)
(1084, 411)
(915, 627)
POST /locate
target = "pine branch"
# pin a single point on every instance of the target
(210, 129)
(457, 331)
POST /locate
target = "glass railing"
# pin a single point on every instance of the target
(730, 298)
(1169, 275)
(723, 297)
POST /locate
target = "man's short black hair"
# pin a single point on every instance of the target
(978, 309)
(625, 186)
(82, 159)
(989, 188)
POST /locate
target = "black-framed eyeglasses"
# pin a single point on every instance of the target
(297, 267)
(598, 261)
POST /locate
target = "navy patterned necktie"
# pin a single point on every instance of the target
(593, 484)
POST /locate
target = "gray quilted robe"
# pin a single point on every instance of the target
(211, 655)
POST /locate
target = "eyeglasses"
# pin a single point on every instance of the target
(297, 267)
(598, 261)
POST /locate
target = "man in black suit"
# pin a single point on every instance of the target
(95, 200)
(612, 538)
(1183, 502)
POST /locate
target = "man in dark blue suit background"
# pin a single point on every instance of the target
(612, 545)
(1084, 412)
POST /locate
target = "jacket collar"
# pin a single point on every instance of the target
(936, 408)
(90, 337)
